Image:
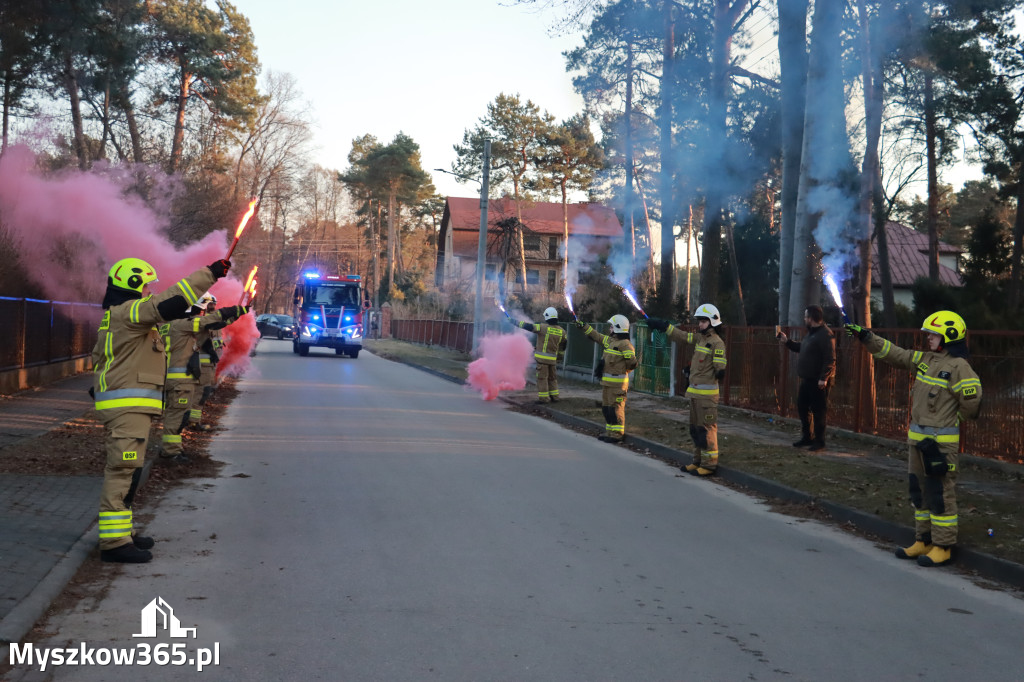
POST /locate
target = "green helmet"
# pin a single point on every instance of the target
(131, 274)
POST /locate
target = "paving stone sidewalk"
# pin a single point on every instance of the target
(45, 521)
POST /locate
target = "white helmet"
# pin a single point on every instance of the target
(619, 323)
(550, 314)
(709, 311)
(200, 305)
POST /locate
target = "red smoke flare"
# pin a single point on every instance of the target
(503, 364)
(240, 338)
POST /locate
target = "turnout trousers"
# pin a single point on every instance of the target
(613, 406)
(178, 395)
(704, 430)
(934, 497)
(126, 435)
(547, 382)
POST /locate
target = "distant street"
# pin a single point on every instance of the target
(377, 523)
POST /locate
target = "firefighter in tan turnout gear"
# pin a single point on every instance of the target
(208, 359)
(129, 364)
(184, 371)
(618, 360)
(706, 369)
(550, 348)
(945, 391)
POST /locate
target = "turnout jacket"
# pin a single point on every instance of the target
(708, 359)
(550, 341)
(128, 359)
(945, 389)
(619, 358)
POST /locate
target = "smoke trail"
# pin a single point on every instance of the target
(502, 365)
(70, 227)
(240, 338)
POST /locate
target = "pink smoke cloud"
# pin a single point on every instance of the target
(502, 365)
(98, 224)
(240, 338)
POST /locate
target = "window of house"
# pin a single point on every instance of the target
(552, 280)
(532, 277)
(489, 271)
(553, 248)
(531, 243)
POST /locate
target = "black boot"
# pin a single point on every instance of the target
(126, 554)
(142, 542)
(803, 442)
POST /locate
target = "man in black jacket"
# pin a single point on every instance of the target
(816, 365)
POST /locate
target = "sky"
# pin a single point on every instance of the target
(428, 69)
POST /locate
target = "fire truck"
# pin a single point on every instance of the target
(329, 313)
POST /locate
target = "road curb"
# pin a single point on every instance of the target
(20, 620)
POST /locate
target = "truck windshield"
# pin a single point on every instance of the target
(333, 295)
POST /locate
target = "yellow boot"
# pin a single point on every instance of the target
(690, 468)
(701, 471)
(917, 549)
(938, 556)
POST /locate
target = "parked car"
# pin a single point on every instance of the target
(280, 326)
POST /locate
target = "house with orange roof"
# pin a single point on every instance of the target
(908, 260)
(593, 225)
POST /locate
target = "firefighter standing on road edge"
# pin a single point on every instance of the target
(706, 369)
(618, 361)
(208, 359)
(550, 347)
(945, 390)
(128, 362)
(184, 370)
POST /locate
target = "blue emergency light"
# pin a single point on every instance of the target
(311, 274)
(316, 317)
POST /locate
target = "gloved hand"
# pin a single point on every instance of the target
(720, 374)
(658, 323)
(220, 268)
(860, 332)
(599, 369)
(232, 312)
(579, 323)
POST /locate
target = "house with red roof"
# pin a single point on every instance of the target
(908, 260)
(594, 225)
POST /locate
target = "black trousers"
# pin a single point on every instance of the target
(812, 404)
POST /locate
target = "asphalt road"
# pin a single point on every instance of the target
(377, 523)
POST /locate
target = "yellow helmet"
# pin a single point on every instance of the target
(947, 324)
(131, 274)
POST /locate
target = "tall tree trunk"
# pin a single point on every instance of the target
(178, 139)
(871, 76)
(6, 113)
(734, 262)
(391, 242)
(793, 63)
(629, 225)
(565, 232)
(717, 133)
(1018, 242)
(666, 288)
(824, 146)
(133, 128)
(930, 133)
(689, 245)
(71, 85)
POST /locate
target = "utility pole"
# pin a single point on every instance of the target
(481, 250)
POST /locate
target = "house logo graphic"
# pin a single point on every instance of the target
(159, 614)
